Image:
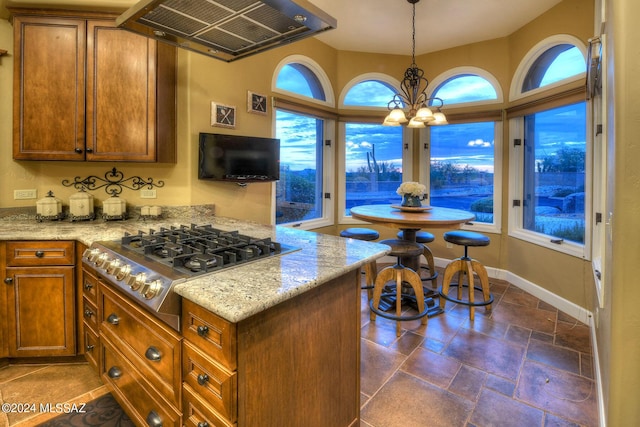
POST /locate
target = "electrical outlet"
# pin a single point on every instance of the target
(449, 245)
(25, 194)
(148, 194)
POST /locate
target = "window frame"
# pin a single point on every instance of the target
(425, 175)
(407, 137)
(561, 93)
(329, 131)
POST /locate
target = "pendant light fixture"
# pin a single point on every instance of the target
(413, 95)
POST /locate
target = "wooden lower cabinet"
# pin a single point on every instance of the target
(40, 298)
(295, 364)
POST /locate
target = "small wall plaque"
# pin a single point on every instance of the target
(223, 115)
(256, 103)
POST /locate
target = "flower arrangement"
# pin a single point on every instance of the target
(411, 188)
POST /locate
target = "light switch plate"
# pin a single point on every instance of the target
(148, 194)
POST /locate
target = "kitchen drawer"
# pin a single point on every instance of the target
(217, 385)
(196, 412)
(91, 347)
(37, 253)
(132, 391)
(153, 347)
(90, 286)
(90, 315)
(212, 334)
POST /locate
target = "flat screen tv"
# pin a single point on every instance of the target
(238, 158)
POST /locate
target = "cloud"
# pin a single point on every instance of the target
(479, 143)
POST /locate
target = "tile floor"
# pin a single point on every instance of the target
(525, 364)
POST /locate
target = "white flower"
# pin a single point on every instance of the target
(413, 188)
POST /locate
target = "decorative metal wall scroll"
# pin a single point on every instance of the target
(113, 182)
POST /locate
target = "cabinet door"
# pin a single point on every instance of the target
(49, 88)
(40, 311)
(122, 102)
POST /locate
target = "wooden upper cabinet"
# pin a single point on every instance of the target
(49, 88)
(87, 90)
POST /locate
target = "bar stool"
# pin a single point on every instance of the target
(370, 269)
(424, 238)
(466, 266)
(402, 276)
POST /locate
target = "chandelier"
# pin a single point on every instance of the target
(413, 95)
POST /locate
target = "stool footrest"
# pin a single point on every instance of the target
(467, 303)
(393, 316)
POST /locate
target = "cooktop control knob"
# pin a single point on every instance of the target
(103, 261)
(152, 289)
(123, 272)
(113, 266)
(91, 254)
(136, 282)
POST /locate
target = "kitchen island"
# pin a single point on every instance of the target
(292, 321)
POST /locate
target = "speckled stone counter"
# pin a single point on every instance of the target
(235, 293)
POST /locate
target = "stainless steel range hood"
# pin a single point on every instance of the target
(226, 29)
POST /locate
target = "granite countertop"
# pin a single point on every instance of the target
(235, 293)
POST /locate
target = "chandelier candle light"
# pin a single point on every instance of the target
(412, 193)
(414, 95)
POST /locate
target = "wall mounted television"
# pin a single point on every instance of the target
(238, 158)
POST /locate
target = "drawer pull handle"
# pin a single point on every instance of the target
(202, 379)
(114, 373)
(154, 420)
(88, 286)
(8, 280)
(88, 313)
(203, 330)
(153, 354)
(90, 347)
(113, 319)
(40, 254)
(203, 424)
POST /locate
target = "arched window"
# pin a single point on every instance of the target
(369, 93)
(553, 65)
(373, 154)
(462, 161)
(555, 61)
(305, 160)
(465, 88)
(549, 165)
(299, 79)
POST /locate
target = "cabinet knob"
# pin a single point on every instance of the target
(202, 379)
(88, 313)
(8, 280)
(203, 424)
(40, 254)
(154, 420)
(88, 285)
(114, 373)
(113, 319)
(202, 330)
(153, 354)
(89, 347)
(78, 150)
(89, 150)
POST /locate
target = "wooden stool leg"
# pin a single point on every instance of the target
(468, 269)
(452, 268)
(481, 271)
(398, 299)
(383, 277)
(370, 273)
(428, 255)
(411, 277)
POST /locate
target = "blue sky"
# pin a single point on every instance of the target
(469, 144)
